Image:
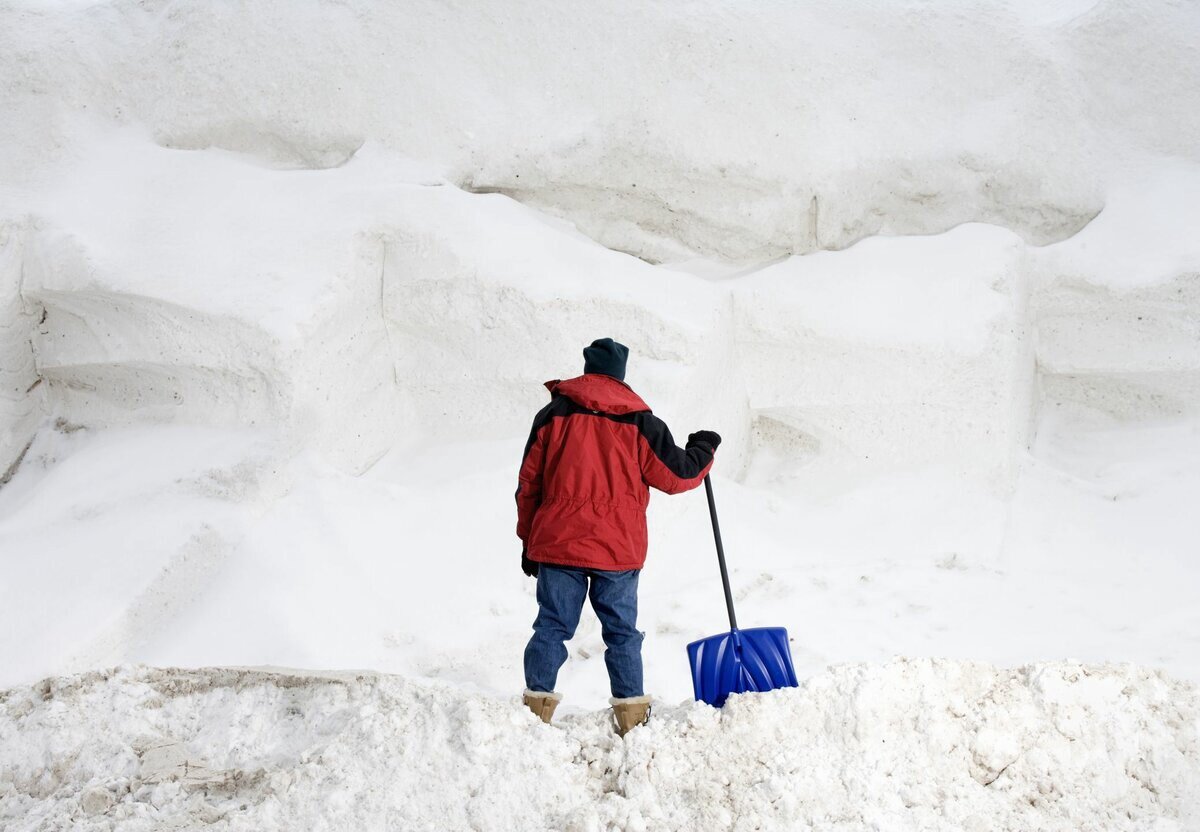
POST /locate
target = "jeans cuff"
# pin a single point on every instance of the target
(629, 700)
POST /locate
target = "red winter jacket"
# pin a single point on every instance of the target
(584, 482)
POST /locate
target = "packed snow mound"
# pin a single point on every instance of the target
(908, 745)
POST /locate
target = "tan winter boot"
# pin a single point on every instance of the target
(542, 704)
(630, 713)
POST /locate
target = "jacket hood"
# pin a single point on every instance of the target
(599, 392)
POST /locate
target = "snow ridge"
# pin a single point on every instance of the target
(925, 744)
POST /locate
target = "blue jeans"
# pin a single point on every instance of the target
(560, 594)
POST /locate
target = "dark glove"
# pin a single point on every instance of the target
(529, 567)
(707, 439)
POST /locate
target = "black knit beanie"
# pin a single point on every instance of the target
(606, 356)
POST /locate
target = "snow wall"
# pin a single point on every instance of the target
(204, 222)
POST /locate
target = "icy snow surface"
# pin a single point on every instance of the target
(921, 744)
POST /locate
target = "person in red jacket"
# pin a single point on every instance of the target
(592, 456)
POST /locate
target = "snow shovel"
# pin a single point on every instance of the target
(739, 661)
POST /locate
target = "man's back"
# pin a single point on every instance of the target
(592, 454)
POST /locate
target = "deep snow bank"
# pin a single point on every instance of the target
(798, 128)
(256, 247)
(802, 127)
(353, 308)
(910, 744)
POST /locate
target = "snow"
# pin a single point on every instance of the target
(903, 350)
(221, 553)
(937, 292)
(923, 744)
(1142, 237)
(278, 290)
(19, 411)
(746, 137)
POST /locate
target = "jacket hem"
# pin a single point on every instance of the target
(586, 563)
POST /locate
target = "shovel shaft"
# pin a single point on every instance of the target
(712, 510)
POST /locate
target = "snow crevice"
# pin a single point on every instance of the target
(274, 149)
(706, 215)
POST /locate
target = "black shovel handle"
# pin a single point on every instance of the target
(712, 510)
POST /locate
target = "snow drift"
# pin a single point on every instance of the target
(907, 745)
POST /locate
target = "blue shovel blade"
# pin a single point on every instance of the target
(739, 661)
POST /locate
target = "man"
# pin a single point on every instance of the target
(581, 515)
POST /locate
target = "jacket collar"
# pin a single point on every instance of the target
(599, 392)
